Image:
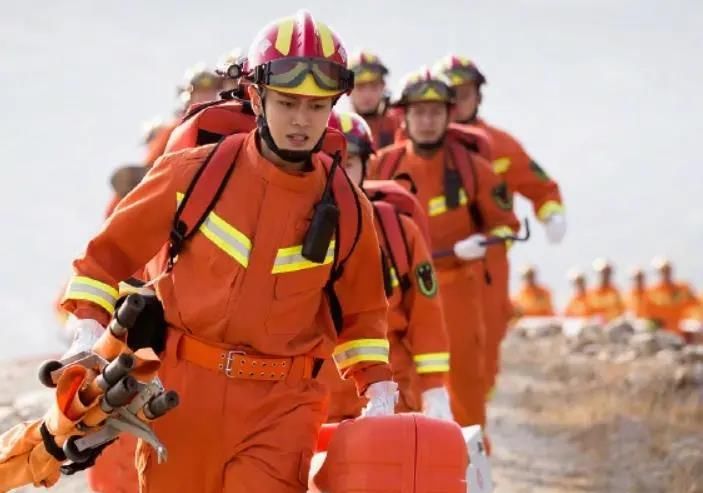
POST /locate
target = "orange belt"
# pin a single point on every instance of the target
(238, 364)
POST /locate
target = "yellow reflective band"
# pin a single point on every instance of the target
(284, 36)
(394, 278)
(548, 208)
(326, 39)
(346, 122)
(502, 232)
(438, 205)
(291, 259)
(501, 165)
(431, 95)
(226, 237)
(431, 362)
(367, 76)
(87, 289)
(360, 350)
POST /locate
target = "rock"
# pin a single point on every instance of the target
(645, 343)
(592, 333)
(619, 333)
(692, 354)
(590, 349)
(8, 417)
(669, 340)
(689, 375)
(32, 405)
(626, 356)
(541, 331)
(669, 356)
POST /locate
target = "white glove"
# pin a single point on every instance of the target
(435, 404)
(470, 248)
(382, 397)
(691, 326)
(86, 332)
(555, 228)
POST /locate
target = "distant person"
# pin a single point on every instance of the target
(578, 305)
(605, 299)
(533, 300)
(370, 99)
(636, 300)
(671, 301)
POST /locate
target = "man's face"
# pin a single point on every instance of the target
(580, 285)
(605, 276)
(354, 169)
(530, 278)
(467, 101)
(426, 121)
(666, 274)
(366, 97)
(638, 280)
(296, 122)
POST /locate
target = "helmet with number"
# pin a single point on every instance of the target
(424, 86)
(458, 70)
(299, 55)
(367, 67)
(356, 131)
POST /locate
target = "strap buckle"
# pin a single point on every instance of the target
(229, 359)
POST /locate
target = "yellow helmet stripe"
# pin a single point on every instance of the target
(325, 39)
(284, 37)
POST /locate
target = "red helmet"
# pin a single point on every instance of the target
(355, 130)
(367, 67)
(424, 86)
(458, 71)
(298, 55)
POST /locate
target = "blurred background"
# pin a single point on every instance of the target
(605, 94)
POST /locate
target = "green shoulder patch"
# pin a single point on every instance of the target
(537, 169)
(426, 279)
(502, 196)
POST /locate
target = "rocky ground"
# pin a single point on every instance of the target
(599, 411)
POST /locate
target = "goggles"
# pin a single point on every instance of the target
(291, 72)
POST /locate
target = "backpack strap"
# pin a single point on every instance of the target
(388, 165)
(397, 247)
(203, 193)
(460, 159)
(349, 227)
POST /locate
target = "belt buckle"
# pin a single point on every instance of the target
(228, 361)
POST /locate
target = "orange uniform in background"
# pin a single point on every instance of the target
(669, 303)
(241, 286)
(156, 144)
(461, 283)
(637, 302)
(419, 348)
(606, 302)
(578, 306)
(534, 301)
(522, 175)
(383, 127)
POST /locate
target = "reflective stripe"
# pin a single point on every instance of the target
(394, 278)
(438, 205)
(432, 362)
(225, 236)
(501, 165)
(291, 259)
(360, 350)
(85, 288)
(548, 208)
(502, 232)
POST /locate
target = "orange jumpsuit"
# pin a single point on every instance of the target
(241, 286)
(525, 177)
(578, 306)
(534, 301)
(606, 302)
(461, 283)
(383, 127)
(669, 303)
(637, 302)
(419, 349)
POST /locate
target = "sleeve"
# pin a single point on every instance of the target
(137, 229)
(549, 306)
(362, 346)
(494, 201)
(529, 179)
(426, 334)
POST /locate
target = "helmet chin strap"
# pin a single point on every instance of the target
(288, 155)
